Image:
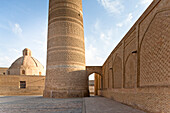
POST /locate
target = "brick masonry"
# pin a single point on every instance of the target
(3, 71)
(66, 73)
(137, 71)
(10, 85)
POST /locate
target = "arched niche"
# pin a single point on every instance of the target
(131, 71)
(154, 51)
(117, 77)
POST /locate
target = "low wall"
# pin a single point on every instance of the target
(10, 85)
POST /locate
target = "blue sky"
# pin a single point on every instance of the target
(23, 24)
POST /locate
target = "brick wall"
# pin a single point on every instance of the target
(10, 85)
(138, 68)
(3, 71)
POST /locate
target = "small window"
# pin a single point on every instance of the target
(23, 72)
(8, 72)
(22, 84)
(4, 73)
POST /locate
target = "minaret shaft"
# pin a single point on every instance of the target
(65, 75)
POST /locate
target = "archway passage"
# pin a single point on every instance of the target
(95, 79)
(94, 84)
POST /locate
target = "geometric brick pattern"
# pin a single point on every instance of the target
(155, 52)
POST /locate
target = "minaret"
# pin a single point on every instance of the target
(65, 75)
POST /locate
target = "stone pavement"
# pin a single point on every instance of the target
(37, 104)
(104, 105)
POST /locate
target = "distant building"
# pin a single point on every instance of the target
(3, 70)
(26, 65)
(23, 77)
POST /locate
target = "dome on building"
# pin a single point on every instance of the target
(26, 65)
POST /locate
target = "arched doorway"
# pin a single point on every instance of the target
(95, 79)
(95, 84)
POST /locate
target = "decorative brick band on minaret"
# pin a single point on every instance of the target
(66, 75)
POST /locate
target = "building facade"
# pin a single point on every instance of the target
(13, 85)
(24, 77)
(137, 71)
(3, 70)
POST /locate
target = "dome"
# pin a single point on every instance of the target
(26, 65)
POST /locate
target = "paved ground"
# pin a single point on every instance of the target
(104, 105)
(36, 104)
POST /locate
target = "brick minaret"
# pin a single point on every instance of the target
(66, 75)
